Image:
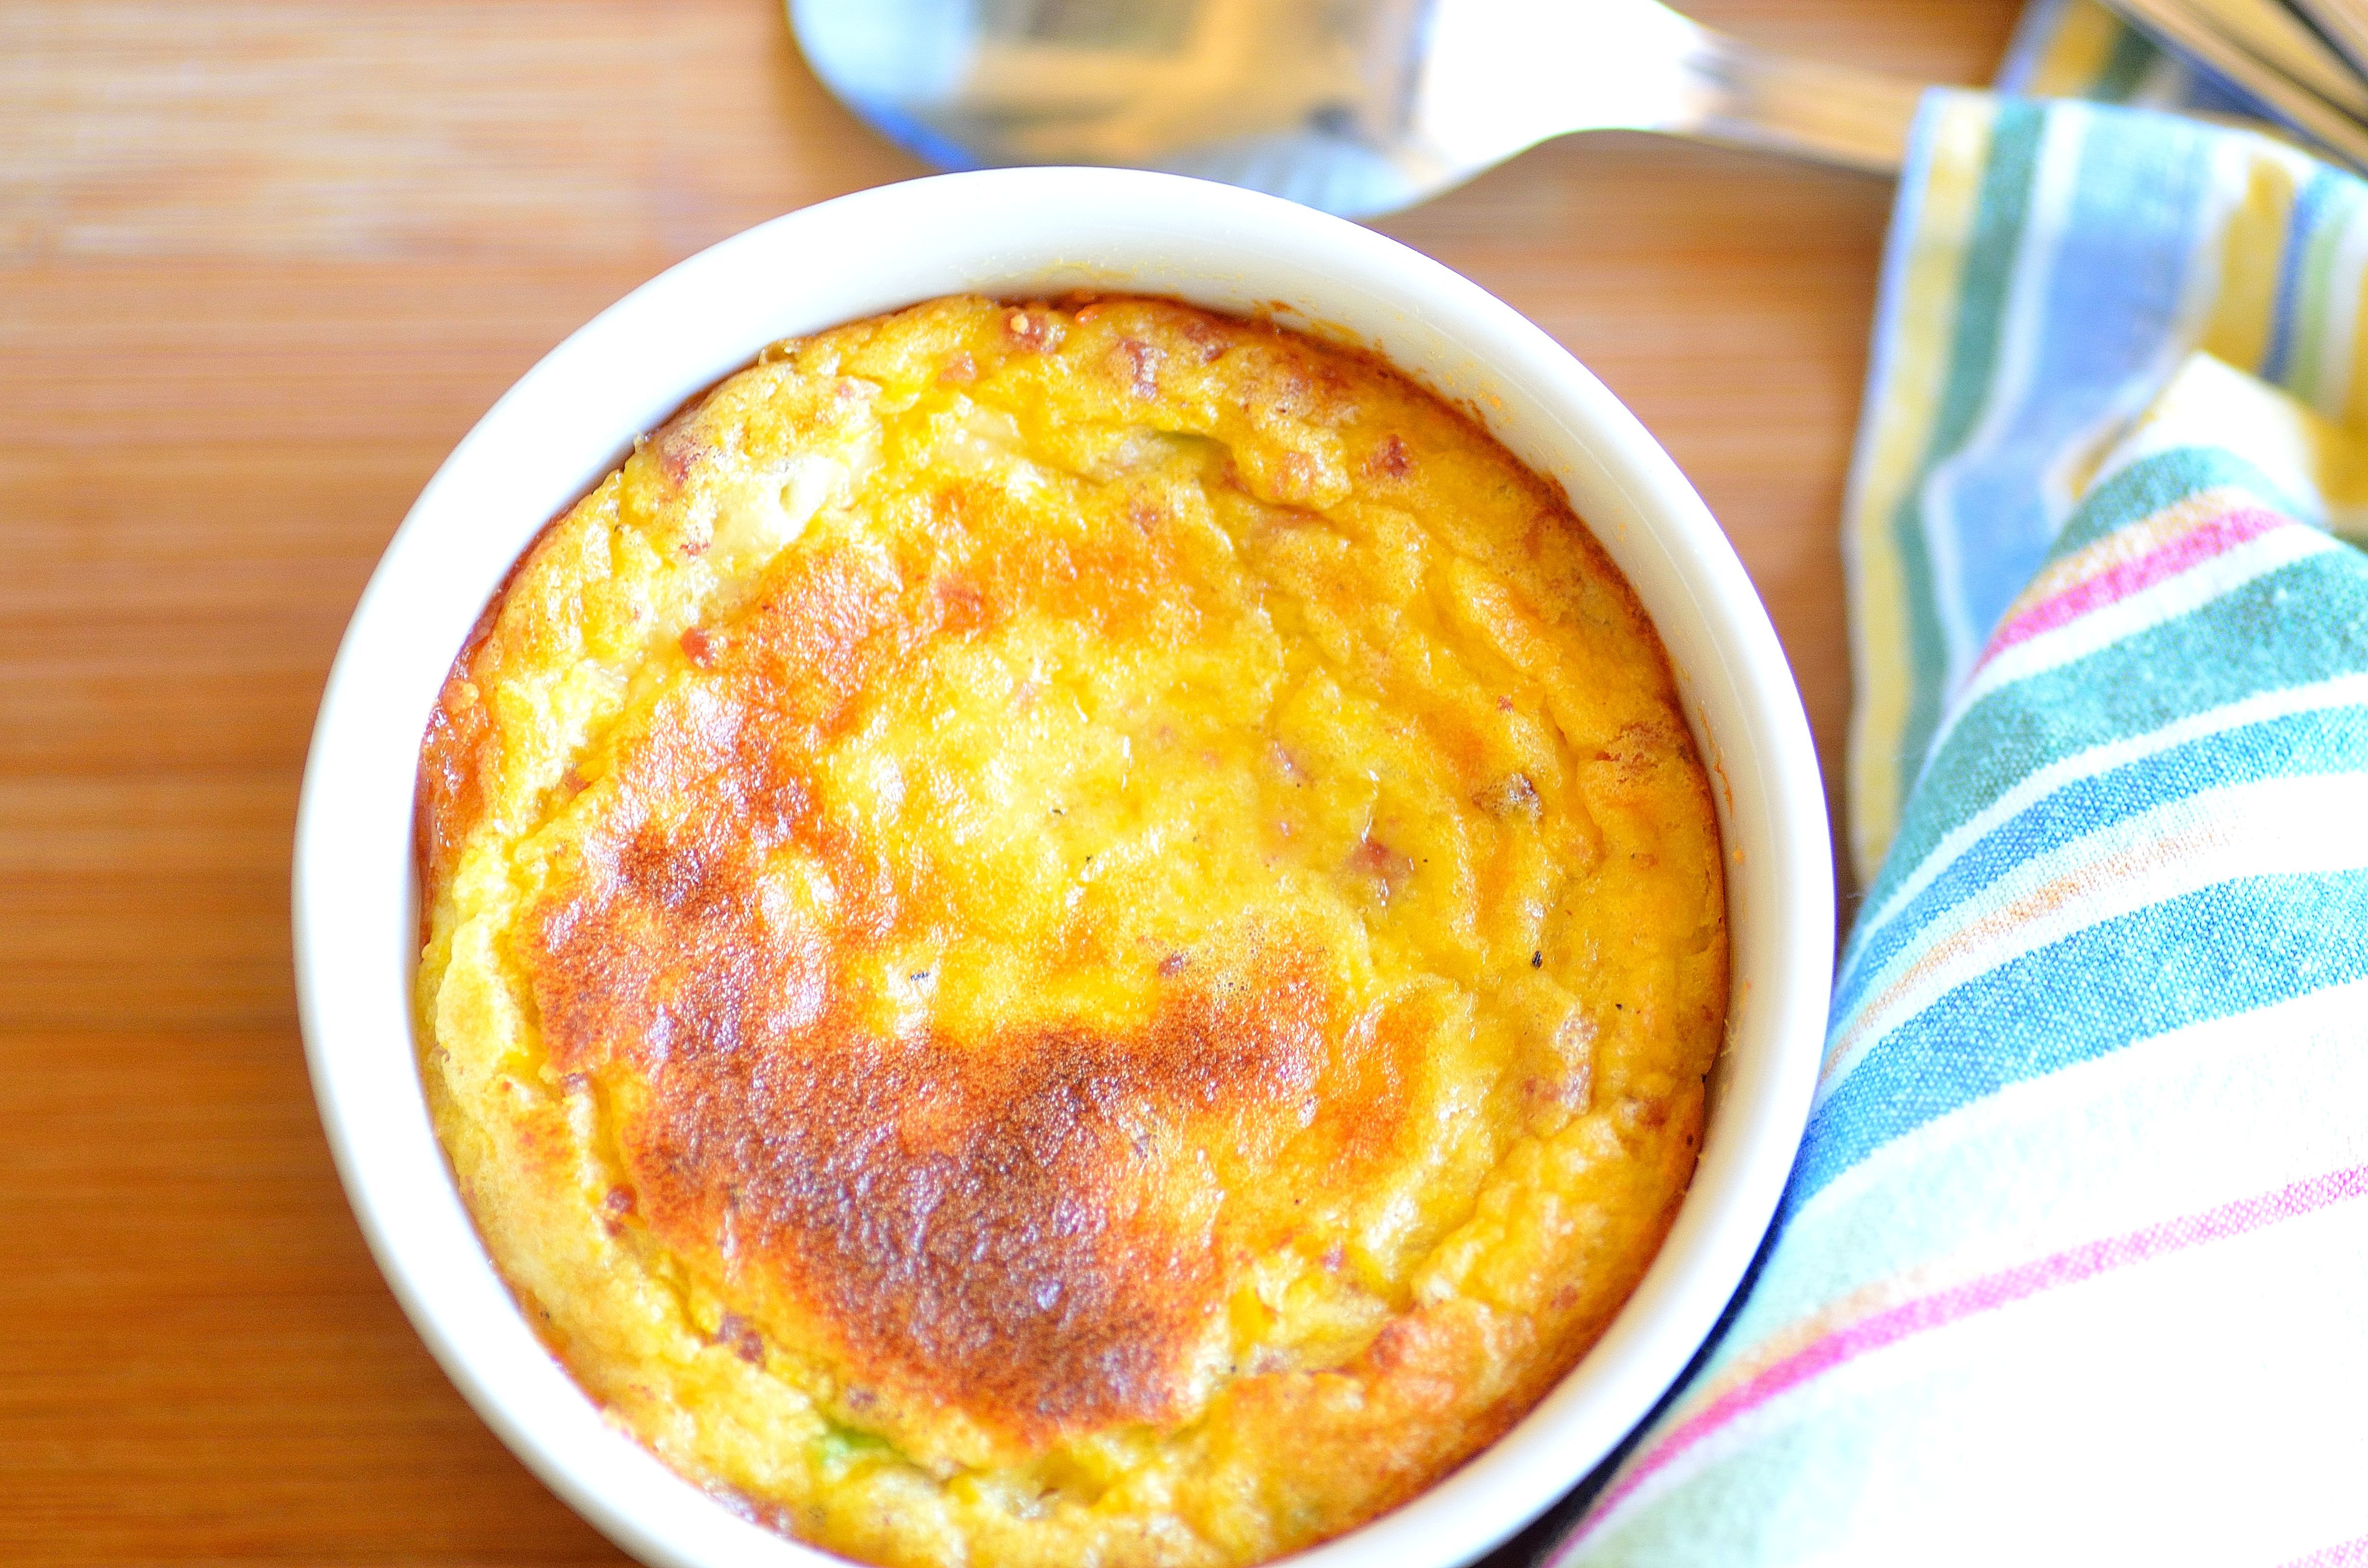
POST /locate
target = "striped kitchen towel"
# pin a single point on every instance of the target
(2073, 1266)
(2049, 268)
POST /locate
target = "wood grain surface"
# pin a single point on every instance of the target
(261, 265)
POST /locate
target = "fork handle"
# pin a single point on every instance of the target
(1750, 97)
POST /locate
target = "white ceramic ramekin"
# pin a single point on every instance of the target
(1009, 232)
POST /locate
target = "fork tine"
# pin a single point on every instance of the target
(2345, 23)
(2285, 43)
(2187, 25)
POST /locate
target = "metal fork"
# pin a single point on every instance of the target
(1357, 106)
(2281, 55)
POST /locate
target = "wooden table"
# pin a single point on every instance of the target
(264, 264)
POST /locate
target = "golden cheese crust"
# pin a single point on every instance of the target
(1067, 933)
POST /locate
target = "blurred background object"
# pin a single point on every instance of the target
(2301, 62)
(1358, 107)
(1364, 107)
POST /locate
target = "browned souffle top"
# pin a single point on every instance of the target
(1067, 932)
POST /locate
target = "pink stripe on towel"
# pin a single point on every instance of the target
(2217, 537)
(1978, 1295)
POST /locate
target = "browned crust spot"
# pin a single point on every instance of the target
(988, 1223)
